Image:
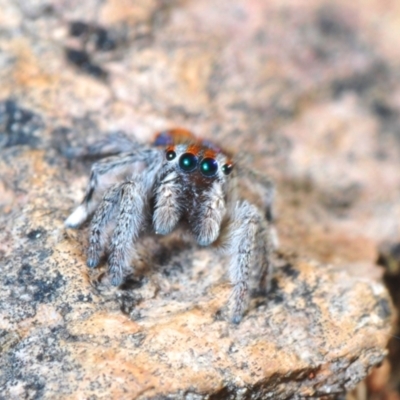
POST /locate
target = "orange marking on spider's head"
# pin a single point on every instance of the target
(209, 153)
(194, 148)
(181, 135)
(173, 136)
(171, 147)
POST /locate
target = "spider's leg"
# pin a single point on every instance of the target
(115, 143)
(109, 171)
(168, 199)
(98, 230)
(130, 221)
(244, 237)
(266, 242)
(207, 223)
(267, 189)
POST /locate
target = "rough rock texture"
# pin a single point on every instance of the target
(310, 91)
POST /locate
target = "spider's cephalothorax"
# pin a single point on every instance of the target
(177, 181)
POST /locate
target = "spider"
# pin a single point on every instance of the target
(184, 181)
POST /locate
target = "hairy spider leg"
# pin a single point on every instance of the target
(242, 240)
(267, 189)
(130, 223)
(115, 143)
(107, 172)
(265, 244)
(101, 219)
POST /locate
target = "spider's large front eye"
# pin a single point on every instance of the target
(170, 155)
(188, 162)
(209, 167)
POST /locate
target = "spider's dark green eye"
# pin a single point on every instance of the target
(209, 167)
(188, 162)
(227, 168)
(170, 155)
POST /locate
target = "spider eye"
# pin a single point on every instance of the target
(188, 162)
(209, 167)
(227, 168)
(170, 155)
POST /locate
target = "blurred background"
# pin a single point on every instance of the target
(310, 90)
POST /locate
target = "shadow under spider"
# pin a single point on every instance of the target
(170, 256)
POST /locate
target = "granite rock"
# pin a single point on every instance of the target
(66, 333)
(310, 92)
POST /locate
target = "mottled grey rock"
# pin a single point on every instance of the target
(310, 92)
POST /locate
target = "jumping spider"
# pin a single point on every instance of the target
(184, 181)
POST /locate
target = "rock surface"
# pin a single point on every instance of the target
(310, 92)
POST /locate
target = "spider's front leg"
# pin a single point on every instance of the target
(248, 242)
(130, 197)
(106, 173)
(112, 144)
(130, 222)
(266, 186)
(100, 222)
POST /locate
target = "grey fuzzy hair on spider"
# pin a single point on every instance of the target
(183, 181)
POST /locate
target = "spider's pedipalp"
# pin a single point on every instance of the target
(209, 218)
(101, 218)
(242, 240)
(130, 222)
(167, 206)
(110, 171)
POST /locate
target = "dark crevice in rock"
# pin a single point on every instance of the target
(82, 60)
(103, 39)
(360, 83)
(42, 289)
(35, 234)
